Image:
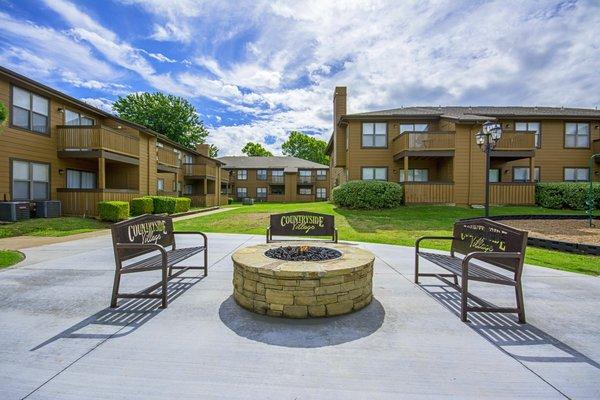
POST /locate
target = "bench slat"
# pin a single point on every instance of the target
(155, 262)
(476, 272)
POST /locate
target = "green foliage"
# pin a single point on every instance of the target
(3, 113)
(252, 149)
(113, 210)
(229, 200)
(142, 205)
(213, 151)
(368, 195)
(164, 204)
(173, 116)
(182, 204)
(561, 195)
(10, 257)
(306, 147)
(62, 226)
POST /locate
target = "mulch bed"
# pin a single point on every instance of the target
(567, 230)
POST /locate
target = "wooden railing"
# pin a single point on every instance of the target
(85, 201)
(170, 193)
(513, 140)
(224, 176)
(428, 192)
(202, 200)
(423, 141)
(512, 193)
(199, 170)
(277, 198)
(97, 137)
(278, 180)
(596, 147)
(167, 156)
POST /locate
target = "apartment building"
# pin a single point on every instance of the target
(276, 179)
(55, 147)
(432, 150)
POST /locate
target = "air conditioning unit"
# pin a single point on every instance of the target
(14, 210)
(47, 209)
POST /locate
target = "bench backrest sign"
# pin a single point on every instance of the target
(302, 223)
(489, 236)
(157, 229)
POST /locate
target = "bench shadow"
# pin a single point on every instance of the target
(302, 333)
(128, 317)
(523, 342)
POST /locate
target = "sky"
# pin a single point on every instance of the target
(256, 70)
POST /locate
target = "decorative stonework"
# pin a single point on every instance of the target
(302, 289)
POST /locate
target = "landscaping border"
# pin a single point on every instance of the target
(550, 244)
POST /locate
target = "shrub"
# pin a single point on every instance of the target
(229, 200)
(566, 195)
(163, 204)
(3, 113)
(142, 205)
(368, 195)
(113, 210)
(182, 204)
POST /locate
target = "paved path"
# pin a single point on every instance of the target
(59, 341)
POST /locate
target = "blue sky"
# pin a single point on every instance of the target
(256, 70)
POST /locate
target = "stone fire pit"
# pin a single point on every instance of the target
(301, 289)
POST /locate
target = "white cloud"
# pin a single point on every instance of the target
(162, 58)
(101, 103)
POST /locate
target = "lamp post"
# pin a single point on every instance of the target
(486, 139)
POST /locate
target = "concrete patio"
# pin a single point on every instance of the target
(58, 339)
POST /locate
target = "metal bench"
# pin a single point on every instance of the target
(142, 236)
(484, 240)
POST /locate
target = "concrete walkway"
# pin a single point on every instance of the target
(58, 339)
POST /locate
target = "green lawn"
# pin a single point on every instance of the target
(63, 226)
(10, 257)
(399, 226)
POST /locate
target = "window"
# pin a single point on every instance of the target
(494, 175)
(75, 118)
(160, 184)
(374, 134)
(413, 128)
(242, 192)
(30, 111)
(304, 172)
(261, 174)
(242, 174)
(187, 159)
(321, 193)
(224, 189)
(321, 174)
(80, 179)
(577, 135)
(277, 190)
(415, 175)
(377, 174)
(521, 174)
(530, 127)
(577, 174)
(305, 190)
(261, 193)
(277, 176)
(188, 189)
(30, 181)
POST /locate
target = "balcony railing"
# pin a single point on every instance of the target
(202, 200)
(96, 137)
(199, 170)
(428, 192)
(596, 147)
(512, 193)
(423, 141)
(513, 140)
(167, 156)
(277, 180)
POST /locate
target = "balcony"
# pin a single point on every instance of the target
(93, 141)
(84, 202)
(277, 180)
(166, 156)
(434, 144)
(428, 192)
(199, 171)
(513, 193)
(514, 144)
(202, 200)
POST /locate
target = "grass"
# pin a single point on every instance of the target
(10, 257)
(63, 226)
(401, 226)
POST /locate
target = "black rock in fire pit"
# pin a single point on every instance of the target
(303, 253)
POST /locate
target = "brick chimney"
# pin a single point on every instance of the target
(203, 148)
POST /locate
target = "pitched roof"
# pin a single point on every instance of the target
(479, 113)
(283, 162)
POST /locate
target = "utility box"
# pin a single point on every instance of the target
(14, 210)
(248, 201)
(48, 209)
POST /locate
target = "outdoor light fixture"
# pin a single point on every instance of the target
(487, 139)
(61, 110)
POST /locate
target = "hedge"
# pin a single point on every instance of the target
(113, 210)
(561, 195)
(182, 204)
(368, 195)
(164, 204)
(142, 205)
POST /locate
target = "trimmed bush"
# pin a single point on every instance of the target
(229, 200)
(142, 205)
(368, 195)
(182, 204)
(163, 204)
(113, 210)
(560, 195)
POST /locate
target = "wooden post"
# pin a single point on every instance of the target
(405, 168)
(101, 173)
(532, 169)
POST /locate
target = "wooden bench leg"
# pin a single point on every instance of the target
(464, 298)
(115, 292)
(165, 280)
(520, 304)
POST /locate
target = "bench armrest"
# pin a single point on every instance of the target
(145, 246)
(418, 242)
(193, 233)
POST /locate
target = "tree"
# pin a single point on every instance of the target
(256, 150)
(306, 147)
(173, 116)
(3, 115)
(213, 151)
